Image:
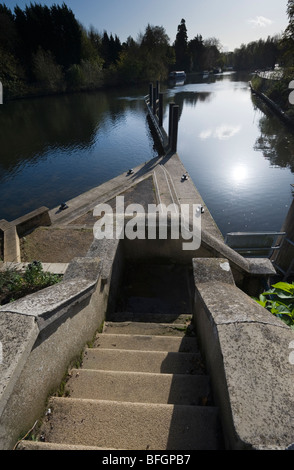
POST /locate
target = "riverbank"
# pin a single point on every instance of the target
(275, 92)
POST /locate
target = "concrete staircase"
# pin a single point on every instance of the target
(142, 386)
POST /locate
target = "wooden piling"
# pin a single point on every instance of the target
(154, 101)
(174, 127)
(160, 109)
(150, 94)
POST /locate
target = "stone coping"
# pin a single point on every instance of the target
(22, 320)
(247, 353)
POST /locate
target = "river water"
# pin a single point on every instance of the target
(239, 155)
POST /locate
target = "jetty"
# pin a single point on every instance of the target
(144, 345)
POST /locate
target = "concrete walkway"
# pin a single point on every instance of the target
(169, 186)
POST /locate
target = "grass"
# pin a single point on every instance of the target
(16, 284)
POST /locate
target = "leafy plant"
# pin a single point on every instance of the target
(279, 300)
(14, 284)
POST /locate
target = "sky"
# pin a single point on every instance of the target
(233, 22)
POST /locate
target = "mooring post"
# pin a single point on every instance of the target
(154, 100)
(150, 94)
(170, 121)
(160, 111)
(174, 133)
(157, 89)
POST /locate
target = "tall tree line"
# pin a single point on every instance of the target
(46, 49)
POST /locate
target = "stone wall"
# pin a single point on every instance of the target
(41, 334)
(247, 354)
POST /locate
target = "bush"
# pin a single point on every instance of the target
(14, 284)
(279, 301)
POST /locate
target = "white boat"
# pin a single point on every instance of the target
(177, 75)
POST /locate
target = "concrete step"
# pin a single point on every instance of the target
(39, 445)
(143, 361)
(184, 318)
(138, 387)
(146, 342)
(131, 426)
(142, 328)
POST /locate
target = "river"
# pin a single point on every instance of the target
(239, 155)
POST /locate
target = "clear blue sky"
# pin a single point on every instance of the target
(233, 22)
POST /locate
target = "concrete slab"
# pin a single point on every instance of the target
(150, 426)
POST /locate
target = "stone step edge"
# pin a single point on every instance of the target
(175, 326)
(137, 373)
(196, 386)
(135, 351)
(134, 335)
(129, 404)
(72, 421)
(39, 445)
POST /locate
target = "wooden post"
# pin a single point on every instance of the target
(170, 122)
(160, 112)
(175, 122)
(157, 89)
(150, 94)
(154, 101)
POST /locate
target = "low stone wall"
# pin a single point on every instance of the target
(249, 273)
(41, 334)
(10, 232)
(246, 350)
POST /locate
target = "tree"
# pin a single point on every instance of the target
(46, 71)
(181, 47)
(53, 29)
(155, 53)
(196, 50)
(287, 43)
(290, 12)
(110, 49)
(212, 53)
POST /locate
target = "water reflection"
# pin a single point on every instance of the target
(239, 173)
(52, 149)
(235, 154)
(239, 155)
(224, 132)
(277, 147)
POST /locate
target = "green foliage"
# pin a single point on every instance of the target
(261, 54)
(279, 301)
(45, 49)
(15, 284)
(46, 71)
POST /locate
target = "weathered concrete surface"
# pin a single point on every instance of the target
(42, 334)
(36, 218)
(138, 387)
(247, 354)
(18, 334)
(170, 431)
(11, 245)
(18, 227)
(50, 304)
(143, 398)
